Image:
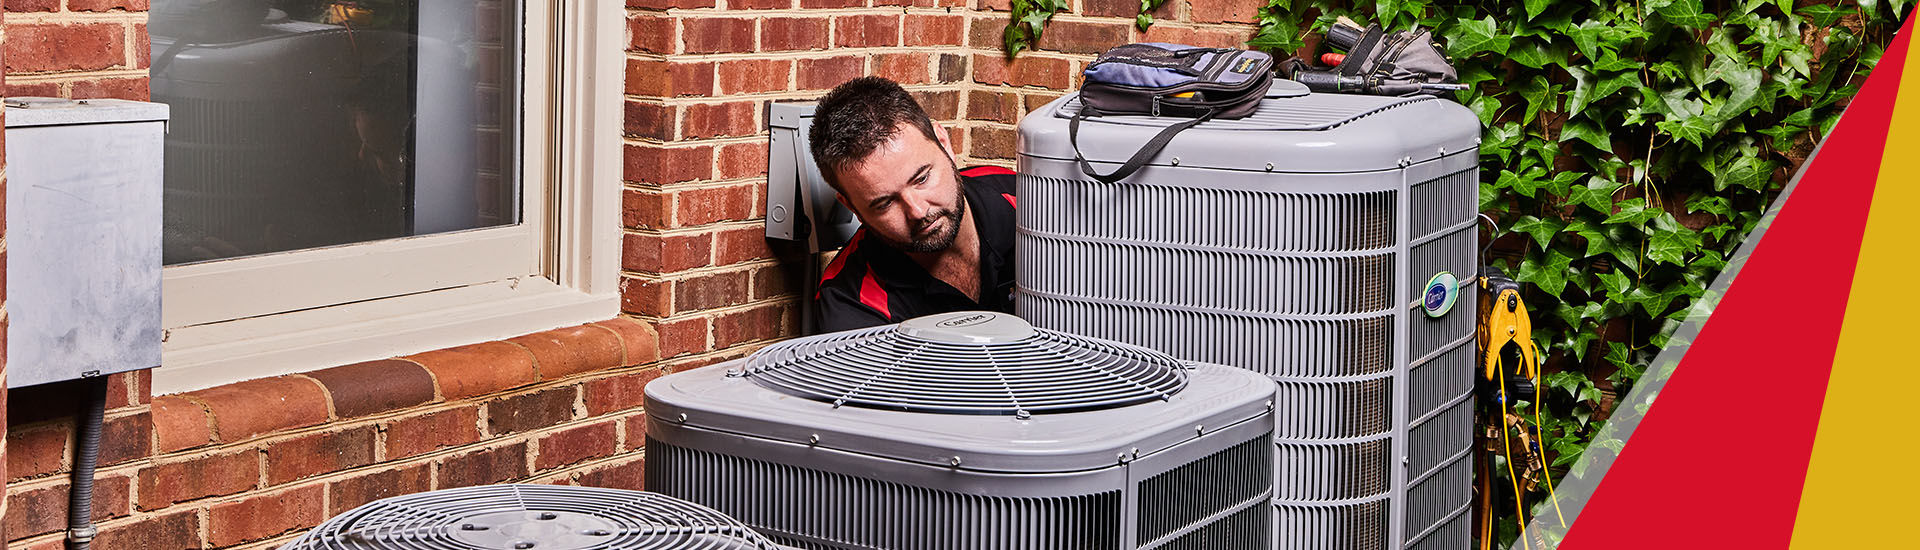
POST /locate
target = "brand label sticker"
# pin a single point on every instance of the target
(1245, 66)
(969, 320)
(1442, 290)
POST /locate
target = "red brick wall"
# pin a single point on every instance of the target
(252, 464)
(77, 48)
(700, 74)
(1004, 91)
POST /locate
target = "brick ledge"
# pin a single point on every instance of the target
(243, 410)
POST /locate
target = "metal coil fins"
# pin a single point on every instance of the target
(535, 517)
(967, 363)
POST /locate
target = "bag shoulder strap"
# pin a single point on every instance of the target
(1140, 157)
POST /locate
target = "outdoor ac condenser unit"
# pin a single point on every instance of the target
(969, 431)
(536, 517)
(1301, 242)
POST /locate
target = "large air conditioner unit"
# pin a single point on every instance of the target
(970, 431)
(1303, 242)
(537, 517)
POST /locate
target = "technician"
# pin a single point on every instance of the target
(933, 238)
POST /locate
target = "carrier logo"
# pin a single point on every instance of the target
(1442, 290)
(1245, 66)
(967, 321)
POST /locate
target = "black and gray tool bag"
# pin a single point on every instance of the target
(1174, 80)
(1379, 62)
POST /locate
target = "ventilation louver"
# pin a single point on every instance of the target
(1296, 242)
(537, 517)
(969, 430)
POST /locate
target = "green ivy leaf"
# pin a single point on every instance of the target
(1549, 273)
(1541, 230)
(1616, 283)
(1711, 204)
(1822, 15)
(1587, 132)
(1693, 129)
(1541, 95)
(1682, 13)
(1610, 61)
(1751, 172)
(1596, 194)
(1606, 239)
(1633, 212)
(1673, 246)
(1536, 54)
(1475, 36)
(1471, 75)
(1534, 7)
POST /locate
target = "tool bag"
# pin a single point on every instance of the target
(1380, 63)
(1158, 79)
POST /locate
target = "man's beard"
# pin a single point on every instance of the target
(936, 242)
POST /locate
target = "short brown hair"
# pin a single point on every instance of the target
(856, 117)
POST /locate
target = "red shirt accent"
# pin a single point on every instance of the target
(873, 296)
(1011, 200)
(978, 171)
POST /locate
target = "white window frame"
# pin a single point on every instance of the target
(275, 314)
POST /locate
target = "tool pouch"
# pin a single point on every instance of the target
(1171, 80)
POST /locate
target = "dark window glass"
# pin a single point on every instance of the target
(303, 123)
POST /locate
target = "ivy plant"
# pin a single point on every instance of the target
(1628, 148)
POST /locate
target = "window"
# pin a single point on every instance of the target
(353, 179)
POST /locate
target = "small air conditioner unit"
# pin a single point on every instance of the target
(1322, 241)
(969, 431)
(538, 517)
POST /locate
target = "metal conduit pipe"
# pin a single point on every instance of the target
(86, 453)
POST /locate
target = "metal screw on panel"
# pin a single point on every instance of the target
(1202, 429)
(955, 462)
(1123, 458)
(683, 418)
(547, 515)
(1269, 167)
(1269, 404)
(735, 373)
(472, 527)
(1176, 161)
(1443, 151)
(1022, 414)
(1136, 453)
(813, 439)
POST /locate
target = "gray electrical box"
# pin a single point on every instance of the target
(800, 205)
(83, 237)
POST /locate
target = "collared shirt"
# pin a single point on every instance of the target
(872, 283)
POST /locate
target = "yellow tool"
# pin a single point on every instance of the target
(1503, 321)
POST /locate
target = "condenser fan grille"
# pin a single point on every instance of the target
(538, 517)
(996, 366)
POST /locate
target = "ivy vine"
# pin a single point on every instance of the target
(1629, 147)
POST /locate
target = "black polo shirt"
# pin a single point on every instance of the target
(872, 283)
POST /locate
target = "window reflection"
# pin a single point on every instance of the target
(302, 123)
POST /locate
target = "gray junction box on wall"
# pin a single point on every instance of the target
(83, 237)
(1298, 242)
(800, 205)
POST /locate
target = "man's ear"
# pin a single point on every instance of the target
(946, 144)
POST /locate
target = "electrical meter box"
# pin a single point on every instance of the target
(800, 204)
(83, 237)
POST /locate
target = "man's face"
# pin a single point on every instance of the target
(907, 191)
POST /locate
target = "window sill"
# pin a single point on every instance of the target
(213, 354)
